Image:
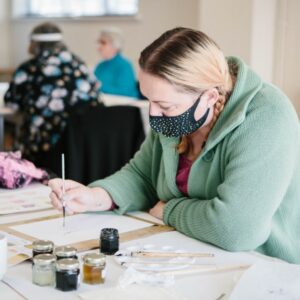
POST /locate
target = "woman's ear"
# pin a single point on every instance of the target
(208, 100)
(211, 96)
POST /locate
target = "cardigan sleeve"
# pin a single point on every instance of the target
(131, 188)
(260, 160)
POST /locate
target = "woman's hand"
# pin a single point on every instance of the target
(78, 198)
(157, 210)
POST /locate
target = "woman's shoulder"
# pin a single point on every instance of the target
(274, 102)
(25, 71)
(27, 64)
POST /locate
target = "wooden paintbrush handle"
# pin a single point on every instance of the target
(166, 263)
(169, 254)
(199, 270)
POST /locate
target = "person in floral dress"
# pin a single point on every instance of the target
(45, 88)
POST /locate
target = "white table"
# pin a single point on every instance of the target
(196, 286)
(3, 88)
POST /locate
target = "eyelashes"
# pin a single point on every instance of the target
(167, 108)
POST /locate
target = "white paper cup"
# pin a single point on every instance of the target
(3, 255)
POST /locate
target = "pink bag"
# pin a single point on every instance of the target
(16, 172)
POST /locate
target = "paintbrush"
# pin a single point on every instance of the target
(125, 263)
(165, 254)
(221, 296)
(63, 188)
(211, 269)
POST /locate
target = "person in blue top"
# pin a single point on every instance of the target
(115, 72)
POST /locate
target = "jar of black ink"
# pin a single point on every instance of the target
(67, 274)
(42, 247)
(65, 252)
(109, 241)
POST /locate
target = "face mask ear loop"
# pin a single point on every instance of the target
(195, 105)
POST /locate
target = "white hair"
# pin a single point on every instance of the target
(114, 35)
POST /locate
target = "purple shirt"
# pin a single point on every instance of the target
(183, 171)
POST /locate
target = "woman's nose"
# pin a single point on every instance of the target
(154, 110)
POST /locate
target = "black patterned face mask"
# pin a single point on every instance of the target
(177, 126)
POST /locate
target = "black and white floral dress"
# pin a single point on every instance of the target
(44, 89)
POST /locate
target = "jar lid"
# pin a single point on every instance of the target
(109, 233)
(65, 251)
(94, 259)
(67, 264)
(42, 245)
(44, 259)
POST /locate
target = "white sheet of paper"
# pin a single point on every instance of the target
(133, 292)
(30, 198)
(11, 218)
(269, 281)
(79, 228)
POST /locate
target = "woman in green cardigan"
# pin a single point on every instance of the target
(222, 163)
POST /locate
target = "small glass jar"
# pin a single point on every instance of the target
(42, 247)
(67, 274)
(109, 241)
(43, 270)
(65, 252)
(94, 270)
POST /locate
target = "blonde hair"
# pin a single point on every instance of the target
(191, 61)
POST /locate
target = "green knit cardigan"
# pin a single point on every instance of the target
(243, 189)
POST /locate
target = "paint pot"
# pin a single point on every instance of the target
(65, 252)
(42, 247)
(94, 270)
(67, 274)
(43, 270)
(109, 241)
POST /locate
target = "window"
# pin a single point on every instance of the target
(74, 8)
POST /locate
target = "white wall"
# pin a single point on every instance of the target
(266, 34)
(263, 36)
(229, 24)
(156, 16)
(243, 28)
(5, 44)
(287, 45)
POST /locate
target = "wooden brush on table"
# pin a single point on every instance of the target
(162, 254)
